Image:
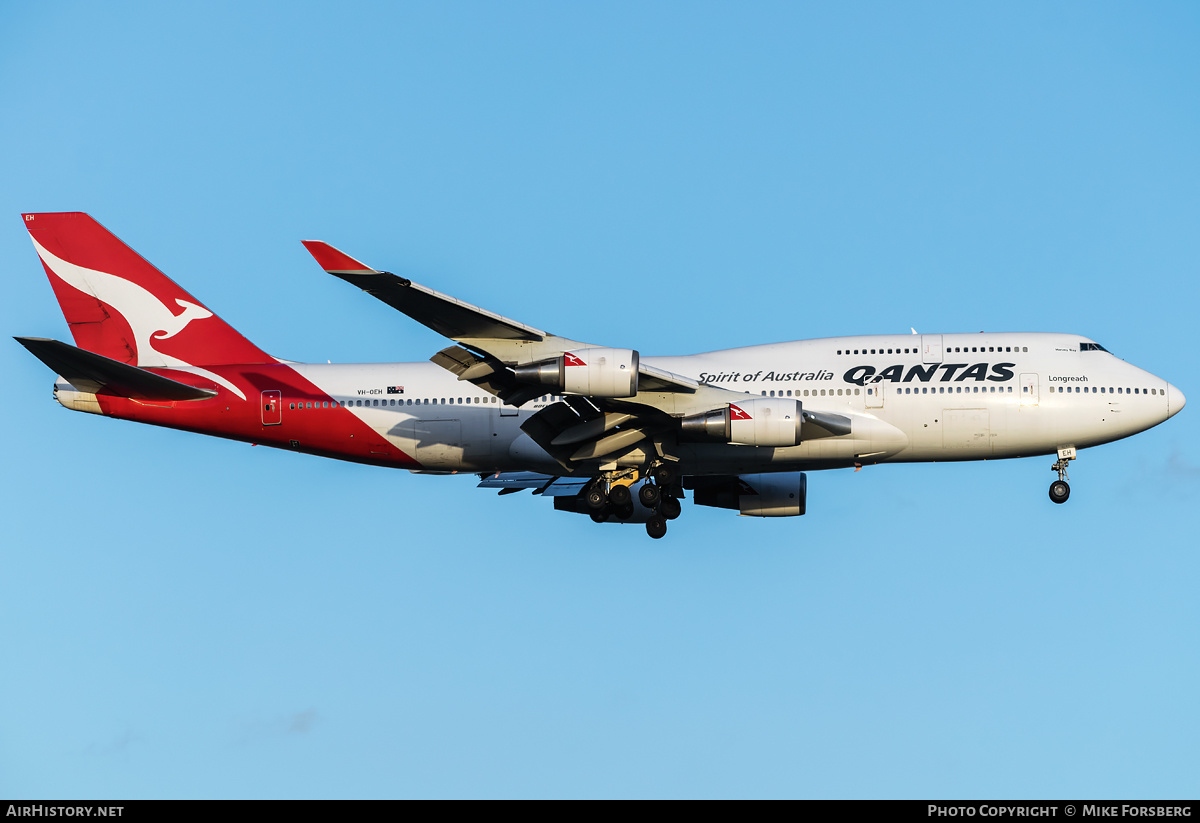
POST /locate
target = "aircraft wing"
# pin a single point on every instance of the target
(444, 314)
(546, 485)
(492, 339)
(611, 402)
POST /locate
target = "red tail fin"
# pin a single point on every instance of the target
(120, 306)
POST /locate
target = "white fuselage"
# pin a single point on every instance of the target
(910, 398)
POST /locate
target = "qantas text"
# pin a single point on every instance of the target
(861, 375)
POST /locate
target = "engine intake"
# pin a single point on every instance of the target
(590, 372)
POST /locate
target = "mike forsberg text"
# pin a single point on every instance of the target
(1031, 810)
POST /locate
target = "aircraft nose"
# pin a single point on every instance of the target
(1175, 400)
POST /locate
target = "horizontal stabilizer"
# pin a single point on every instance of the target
(91, 372)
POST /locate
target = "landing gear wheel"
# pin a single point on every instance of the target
(599, 516)
(623, 512)
(1059, 491)
(596, 499)
(619, 496)
(656, 527)
(669, 508)
(663, 474)
(649, 495)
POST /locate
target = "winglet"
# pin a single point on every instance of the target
(335, 261)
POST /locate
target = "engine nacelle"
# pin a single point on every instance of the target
(782, 494)
(757, 421)
(590, 372)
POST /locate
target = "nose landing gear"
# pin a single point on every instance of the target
(1059, 490)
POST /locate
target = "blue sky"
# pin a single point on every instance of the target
(187, 617)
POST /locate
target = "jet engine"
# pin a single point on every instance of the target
(590, 372)
(756, 421)
(782, 494)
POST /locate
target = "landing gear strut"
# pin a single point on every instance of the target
(1059, 490)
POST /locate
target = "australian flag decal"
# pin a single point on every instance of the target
(395, 390)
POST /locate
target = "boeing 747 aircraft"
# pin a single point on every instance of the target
(602, 431)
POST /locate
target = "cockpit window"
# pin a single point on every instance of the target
(1091, 347)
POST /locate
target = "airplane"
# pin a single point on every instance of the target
(602, 431)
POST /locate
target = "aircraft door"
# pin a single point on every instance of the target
(874, 394)
(1029, 389)
(931, 348)
(272, 408)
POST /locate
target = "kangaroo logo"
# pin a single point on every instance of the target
(148, 317)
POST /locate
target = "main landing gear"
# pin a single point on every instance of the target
(1059, 490)
(610, 496)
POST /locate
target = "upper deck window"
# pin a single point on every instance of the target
(1091, 347)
